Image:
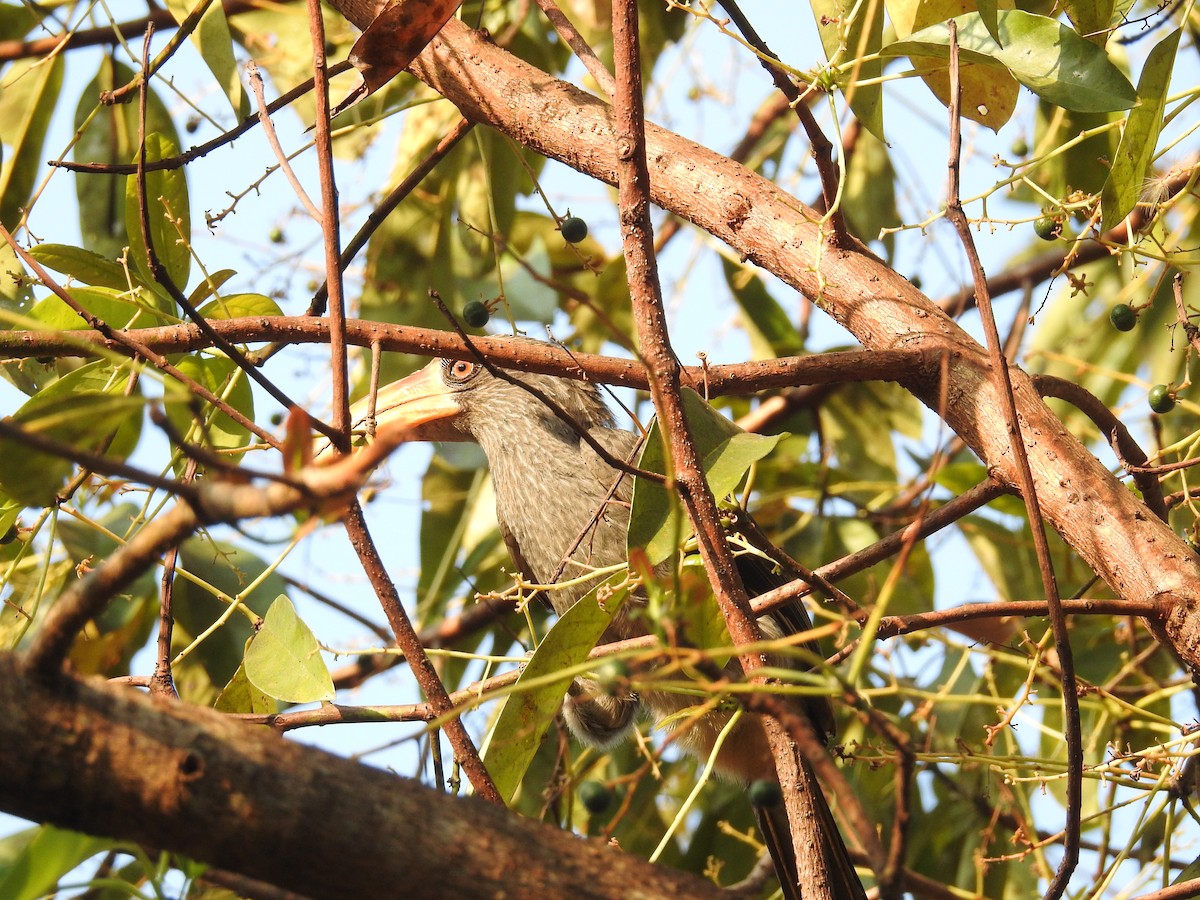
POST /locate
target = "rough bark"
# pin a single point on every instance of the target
(109, 761)
(1135, 553)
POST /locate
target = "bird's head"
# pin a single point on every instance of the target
(460, 400)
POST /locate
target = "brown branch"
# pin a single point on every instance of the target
(1130, 454)
(410, 645)
(194, 782)
(523, 355)
(1004, 390)
(822, 148)
(573, 39)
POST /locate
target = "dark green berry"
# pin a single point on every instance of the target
(1048, 228)
(1123, 317)
(476, 314)
(1160, 399)
(765, 792)
(1020, 147)
(595, 797)
(573, 229)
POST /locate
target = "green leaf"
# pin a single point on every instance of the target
(237, 305)
(240, 696)
(86, 409)
(220, 432)
(16, 295)
(108, 134)
(82, 265)
(770, 330)
(726, 452)
(869, 200)
(26, 104)
(212, 38)
(284, 659)
(48, 855)
(1135, 153)
(849, 33)
(1044, 55)
(118, 308)
(169, 213)
(537, 695)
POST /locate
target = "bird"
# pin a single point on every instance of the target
(559, 469)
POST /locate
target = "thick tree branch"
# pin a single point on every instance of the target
(109, 761)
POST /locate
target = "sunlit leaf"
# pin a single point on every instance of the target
(528, 711)
(235, 306)
(26, 104)
(1044, 55)
(852, 34)
(241, 696)
(170, 217)
(224, 378)
(1131, 164)
(211, 37)
(82, 265)
(86, 409)
(726, 452)
(284, 659)
(48, 855)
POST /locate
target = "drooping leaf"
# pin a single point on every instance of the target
(284, 659)
(26, 104)
(108, 134)
(170, 217)
(212, 38)
(16, 295)
(218, 430)
(528, 711)
(726, 452)
(1131, 164)
(989, 94)
(770, 330)
(852, 34)
(1044, 55)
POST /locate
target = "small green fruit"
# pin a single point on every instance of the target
(476, 314)
(765, 793)
(276, 236)
(1123, 317)
(573, 229)
(1160, 399)
(1048, 228)
(1020, 147)
(595, 797)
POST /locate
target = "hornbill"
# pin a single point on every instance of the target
(556, 491)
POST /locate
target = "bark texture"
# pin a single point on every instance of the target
(109, 761)
(1111, 529)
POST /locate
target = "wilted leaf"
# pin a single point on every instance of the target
(393, 40)
(284, 659)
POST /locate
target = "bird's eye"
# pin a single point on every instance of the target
(459, 371)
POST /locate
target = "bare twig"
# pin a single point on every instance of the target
(1004, 392)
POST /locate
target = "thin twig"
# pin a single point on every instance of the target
(264, 118)
(1004, 391)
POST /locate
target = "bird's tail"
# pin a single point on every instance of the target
(835, 864)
